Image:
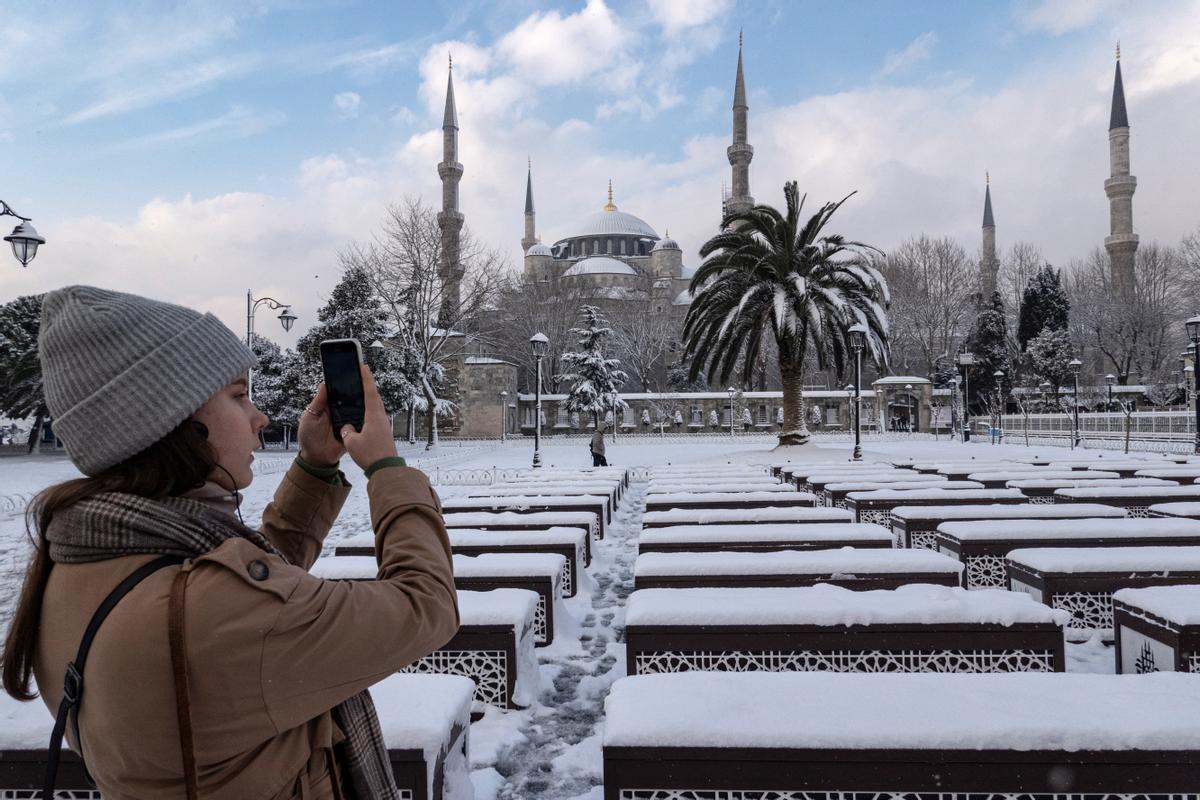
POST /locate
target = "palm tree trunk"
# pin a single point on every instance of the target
(794, 430)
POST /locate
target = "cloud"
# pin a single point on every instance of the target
(552, 49)
(678, 16)
(239, 122)
(174, 85)
(918, 51)
(347, 104)
(1057, 17)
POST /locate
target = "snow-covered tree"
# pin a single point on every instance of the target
(1050, 354)
(593, 378)
(747, 418)
(21, 391)
(989, 343)
(814, 415)
(645, 416)
(713, 419)
(678, 417)
(779, 416)
(1044, 306)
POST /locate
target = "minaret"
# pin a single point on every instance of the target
(740, 152)
(988, 265)
(450, 219)
(1122, 242)
(530, 230)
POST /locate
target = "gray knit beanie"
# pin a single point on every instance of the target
(122, 371)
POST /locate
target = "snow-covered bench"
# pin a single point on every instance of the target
(795, 515)
(707, 538)
(538, 572)
(999, 479)
(915, 628)
(1136, 500)
(876, 505)
(425, 720)
(710, 484)
(526, 504)
(494, 647)
(916, 526)
(835, 494)
(817, 481)
(1180, 510)
(958, 471)
(839, 736)
(796, 473)
(606, 490)
(1180, 473)
(570, 543)
(983, 545)
(511, 521)
(1157, 629)
(733, 500)
(849, 567)
(1124, 468)
(1082, 580)
(1041, 490)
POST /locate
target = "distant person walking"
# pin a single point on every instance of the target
(598, 459)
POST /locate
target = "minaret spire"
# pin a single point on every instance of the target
(740, 152)
(1122, 242)
(989, 265)
(530, 220)
(450, 219)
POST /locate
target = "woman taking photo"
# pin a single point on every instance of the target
(227, 671)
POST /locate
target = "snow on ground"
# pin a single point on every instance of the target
(553, 748)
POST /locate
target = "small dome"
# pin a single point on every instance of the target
(539, 249)
(684, 298)
(599, 265)
(666, 244)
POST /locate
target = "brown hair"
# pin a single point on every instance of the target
(180, 461)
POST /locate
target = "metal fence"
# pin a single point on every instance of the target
(1155, 431)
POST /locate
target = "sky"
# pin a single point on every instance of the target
(194, 151)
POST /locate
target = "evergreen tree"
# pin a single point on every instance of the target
(989, 343)
(1050, 354)
(1044, 306)
(594, 379)
(21, 391)
(353, 311)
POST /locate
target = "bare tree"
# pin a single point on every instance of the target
(403, 264)
(526, 306)
(1017, 266)
(931, 282)
(643, 340)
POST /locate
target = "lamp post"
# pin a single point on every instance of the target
(858, 340)
(966, 360)
(1110, 380)
(503, 414)
(998, 375)
(1075, 365)
(955, 398)
(1192, 326)
(286, 318)
(540, 345)
(24, 239)
(732, 391)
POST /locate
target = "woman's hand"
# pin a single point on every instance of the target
(318, 445)
(376, 440)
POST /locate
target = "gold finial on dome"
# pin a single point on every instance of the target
(609, 205)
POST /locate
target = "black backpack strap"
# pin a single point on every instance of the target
(73, 682)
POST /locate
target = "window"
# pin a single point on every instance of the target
(622, 247)
(608, 246)
(763, 419)
(697, 416)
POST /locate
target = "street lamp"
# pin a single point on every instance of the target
(503, 415)
(732, 391)
(24, 239)
(955, 383)
(966, 360)
(1192, 326)
(998, 375)
(1075, 364)
(540, 345)
(1110, 380)
(858, 340)
(286, 318)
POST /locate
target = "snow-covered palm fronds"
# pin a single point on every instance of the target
(770, 274)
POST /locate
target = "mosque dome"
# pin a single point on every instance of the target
(539, 249)
(666, 243)
(599, 265)
(613, 223)
(684, 298)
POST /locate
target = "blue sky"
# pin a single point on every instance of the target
(194, 150)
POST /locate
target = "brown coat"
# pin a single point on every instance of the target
(267, 659)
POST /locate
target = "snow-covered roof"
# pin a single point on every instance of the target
(614, 222)
(684, 298)
(666, 243)
(539, 249)
(486, 360)
(900, 380)
(599, 265)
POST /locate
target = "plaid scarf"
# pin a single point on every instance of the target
(111, 525)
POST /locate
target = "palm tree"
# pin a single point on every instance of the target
(766, 272)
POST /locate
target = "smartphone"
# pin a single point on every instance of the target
(341, 361)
